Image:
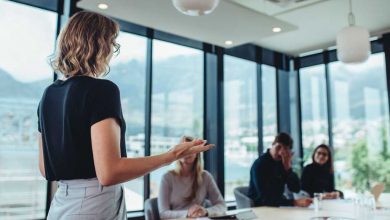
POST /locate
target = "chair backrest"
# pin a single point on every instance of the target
(151, 209)
(242, 199)
(377, 190)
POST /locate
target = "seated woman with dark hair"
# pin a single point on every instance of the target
(318, 177)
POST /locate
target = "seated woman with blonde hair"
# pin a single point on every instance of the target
(185, 190)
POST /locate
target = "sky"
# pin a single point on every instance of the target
(26, 41)
(134, 47)
(29, 40)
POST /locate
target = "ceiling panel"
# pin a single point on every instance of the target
(228, 22)
(306, 26)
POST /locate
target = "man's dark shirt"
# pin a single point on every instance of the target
(267, 182)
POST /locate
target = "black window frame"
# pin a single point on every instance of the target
(213, 84)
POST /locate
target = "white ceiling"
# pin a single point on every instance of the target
(306, 26)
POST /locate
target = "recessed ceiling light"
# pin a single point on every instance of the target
(276, 29)
(102, 6)
(228, 42)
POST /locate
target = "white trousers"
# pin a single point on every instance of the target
(87, 199)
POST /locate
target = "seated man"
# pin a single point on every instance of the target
(269, 174)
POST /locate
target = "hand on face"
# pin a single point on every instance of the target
(284, 154)
(286, 159)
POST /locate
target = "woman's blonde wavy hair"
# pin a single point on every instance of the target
(197, 170)
(85, 45)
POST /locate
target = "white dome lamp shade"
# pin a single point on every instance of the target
(195, 7)
(353, 44)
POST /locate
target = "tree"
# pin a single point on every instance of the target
(369, 170)
(360, 166)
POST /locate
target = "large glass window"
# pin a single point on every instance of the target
(26, 40)
(128, 72)
(360, 123)
(177, 100)
(313, 109)
(240, 115)
(270, 127)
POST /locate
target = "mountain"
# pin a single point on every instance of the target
(181, 72)
(11, 88)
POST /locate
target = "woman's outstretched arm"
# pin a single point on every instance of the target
(112, 169)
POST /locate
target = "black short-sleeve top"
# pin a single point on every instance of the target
(66, 113)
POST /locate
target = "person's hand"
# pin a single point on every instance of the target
(194, 208)
(201, 212)
(286, 159)
(332, 195)
(187, 148)
(196, 211)
(305, 202)
(324, 196)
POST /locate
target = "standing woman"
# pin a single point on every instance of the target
(189, 191)
(318, 177)
(82, 130)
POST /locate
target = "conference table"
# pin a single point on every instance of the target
(329, 208)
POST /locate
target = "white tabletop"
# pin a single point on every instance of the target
(335, 208)
(329, 208)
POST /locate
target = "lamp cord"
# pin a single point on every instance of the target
(351, 16)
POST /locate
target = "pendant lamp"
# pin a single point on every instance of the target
(353, 44)
(195, 7)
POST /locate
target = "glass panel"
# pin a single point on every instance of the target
(360, 124)
(268, 82)
(128, 71)
(295, 122)
(314, 109)
(177, 100)
(27, 39)
(240, 113)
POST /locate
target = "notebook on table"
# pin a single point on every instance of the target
(244, 215)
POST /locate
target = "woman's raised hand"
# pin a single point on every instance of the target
(187, 148)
